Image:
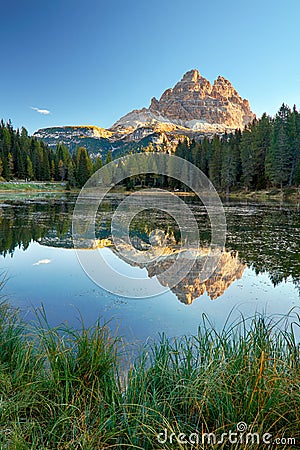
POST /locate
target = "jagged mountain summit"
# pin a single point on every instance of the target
(193, 108)
(194, 104)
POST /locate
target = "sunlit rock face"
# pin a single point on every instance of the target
(194, 104)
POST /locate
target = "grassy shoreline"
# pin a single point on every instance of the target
(286, 194)
(63, 388)
(32, 186)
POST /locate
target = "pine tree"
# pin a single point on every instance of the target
(62, 158)
(6, 147)
(215, 166)
(71, 174)
(247, 157)
(279, 155)
(108, 157)
(182, 149)
(85, 166)
(195, 153)
(230, 172)
(52, 170)
(19, 161)
(29, 169)
(205, 156)
(10, 166)
(296, 179)
(46, 175)
(61, 170)
(261, 143)
(97, 163)
(296, 176)
(36, 156)
(293, 142)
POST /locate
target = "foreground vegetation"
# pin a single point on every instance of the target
(65, 389)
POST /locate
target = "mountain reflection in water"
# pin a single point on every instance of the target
(228, 269)
(263, 236)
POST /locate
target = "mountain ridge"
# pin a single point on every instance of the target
(193, 108)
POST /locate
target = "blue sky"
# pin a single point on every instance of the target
(92, 61)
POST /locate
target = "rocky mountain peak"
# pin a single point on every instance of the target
(192, 75)
(222, 88)
(191, 81)
(153, 104)
(194, 101)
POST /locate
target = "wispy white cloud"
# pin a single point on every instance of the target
(41, 111)
(42, 261)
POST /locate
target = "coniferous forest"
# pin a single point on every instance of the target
(265, 154)
(26, 158)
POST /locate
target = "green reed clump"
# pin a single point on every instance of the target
(69, 389)
(249, 372)
(61, 388)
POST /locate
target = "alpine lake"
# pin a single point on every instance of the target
(259, 271)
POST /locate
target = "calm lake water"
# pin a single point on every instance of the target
(260, 270)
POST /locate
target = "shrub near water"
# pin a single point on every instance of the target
(68, 398)
(61, 388)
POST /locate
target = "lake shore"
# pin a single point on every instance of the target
(33, 186)
(290, 194)
(286, 194)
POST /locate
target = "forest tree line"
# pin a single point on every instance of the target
(266, 153)
(26, 158)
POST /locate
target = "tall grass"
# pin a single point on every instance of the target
(61, 388)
